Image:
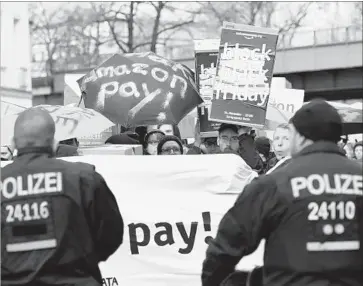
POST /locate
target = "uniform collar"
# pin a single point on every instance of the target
(34, 152)
(321, 147)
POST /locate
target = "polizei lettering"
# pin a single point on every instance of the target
(317, 184)
(32, 184)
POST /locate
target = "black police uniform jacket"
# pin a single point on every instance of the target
(59, 220)
(310, 214)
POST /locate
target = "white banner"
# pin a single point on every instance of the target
(170, 205)
(282, 105)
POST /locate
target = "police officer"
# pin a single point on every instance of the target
(309, 212)
(59, 219)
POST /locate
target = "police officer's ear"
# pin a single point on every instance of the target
(13, 146)
(55, 145)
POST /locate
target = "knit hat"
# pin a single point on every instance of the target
(263, 146)
(318, 121)
(123, 138)
(169, 138)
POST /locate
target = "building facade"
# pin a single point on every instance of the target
(15, 51)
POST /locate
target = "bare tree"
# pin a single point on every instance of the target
(89, 33)
(293, 23)
(78, 35)
(262, 14)
(49, 33)
(138, 26)
(66, 38)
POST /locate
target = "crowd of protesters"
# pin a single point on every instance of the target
(259, 152)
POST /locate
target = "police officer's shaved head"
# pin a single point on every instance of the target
(34, 127)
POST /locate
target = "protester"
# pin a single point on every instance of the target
(209, 145)
(152, 140)
(358, 151)
(263, 147)
(170, 145)
(247, 148)
(281, 141)
(167, 129)
(6, 153)
(343, 141)
(185, 146)
(141, 131)
(61, 218)
(234, 139)
(295, 209)
(228, 138)
(282, 163)
(201, 145)
(280, 146)
(346, 146)
(349, 150)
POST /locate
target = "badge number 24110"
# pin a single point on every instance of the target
(333, 225)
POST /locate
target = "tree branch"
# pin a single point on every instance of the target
(173, 27)
(215, 12)
(112, 29)
(155, 34)
(145, 44)
(130, 28)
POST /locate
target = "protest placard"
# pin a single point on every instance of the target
(282, 105)
(170, 213)
(206, 57)
(244, 73)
